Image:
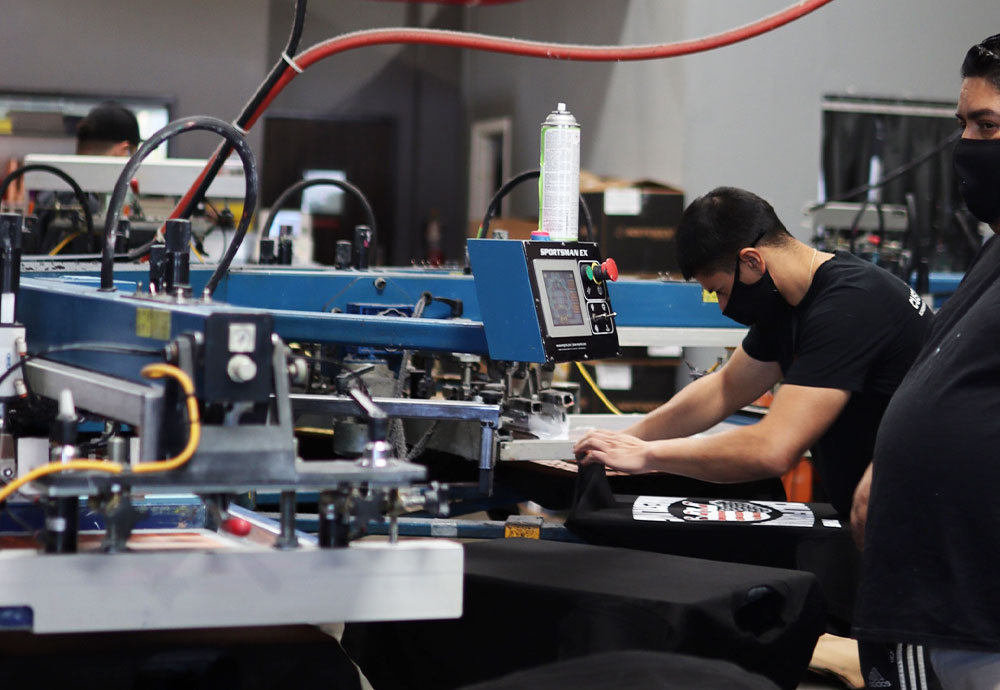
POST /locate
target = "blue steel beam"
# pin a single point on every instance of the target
(73, 310)
(392, 332)
(638, 303)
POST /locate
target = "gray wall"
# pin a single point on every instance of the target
(752, 112)
(628, 112)
(208, 56)
(746, 115)
(419, 87)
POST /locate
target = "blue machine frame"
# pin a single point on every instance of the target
(301, 302)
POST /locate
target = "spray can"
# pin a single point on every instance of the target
(559, 183)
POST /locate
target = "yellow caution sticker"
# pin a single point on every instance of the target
(6, 125)
(152, 323)
(522, 531)
(523, 527)
(710, 297)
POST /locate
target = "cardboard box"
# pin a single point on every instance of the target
(636, 222)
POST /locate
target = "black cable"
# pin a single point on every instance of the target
(263, 91)
(102, 440)
(852, 235)
(881, 231)
(172, 129)
(494, 206)
(587, 220)
(421, 445)
(323, 181)
(77, 191)
(113, 348)
(912, 236)
(901, 170)
(140, 251)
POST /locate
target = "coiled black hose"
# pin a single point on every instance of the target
(322, 181)
(172, 129)
(88, 216)
(506, 187)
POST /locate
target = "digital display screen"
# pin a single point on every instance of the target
(564, 303)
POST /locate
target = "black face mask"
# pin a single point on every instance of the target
(977, 166)
(757, 303)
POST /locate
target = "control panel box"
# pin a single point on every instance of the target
(237, 357)
(544, 301)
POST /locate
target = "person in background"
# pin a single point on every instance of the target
(109, 129)
(931, 546)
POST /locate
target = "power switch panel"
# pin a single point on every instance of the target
(237, 357)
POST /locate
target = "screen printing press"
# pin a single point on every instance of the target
(468, 357)
(213, 387)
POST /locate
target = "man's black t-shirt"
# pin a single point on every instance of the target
(858, 329)
(931, 546)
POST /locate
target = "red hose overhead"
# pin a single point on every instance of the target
(462, 2)
(513, 46)
(552, 51)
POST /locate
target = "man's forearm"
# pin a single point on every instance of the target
(694, 408)
(738, 455)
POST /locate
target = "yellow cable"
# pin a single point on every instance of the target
(157, 371)
(53, 467)
(153, 371)
(62, 245)
(318, 431)
(196, 253)
(597, 391)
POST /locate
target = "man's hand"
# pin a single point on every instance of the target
(613, 449)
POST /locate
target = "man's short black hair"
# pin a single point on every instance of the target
(109, 122)
(983, 60)
(715, 227)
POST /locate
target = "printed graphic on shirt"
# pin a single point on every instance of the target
(676, 509)
(917, 303)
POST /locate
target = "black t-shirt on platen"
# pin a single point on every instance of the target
(931, 545)
(857, 329)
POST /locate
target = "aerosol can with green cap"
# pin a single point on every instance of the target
(559, 182)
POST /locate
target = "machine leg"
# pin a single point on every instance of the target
(334, 521)
(487, 458)
(287, 539)
(61, 525)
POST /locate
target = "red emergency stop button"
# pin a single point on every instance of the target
(610, 270)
